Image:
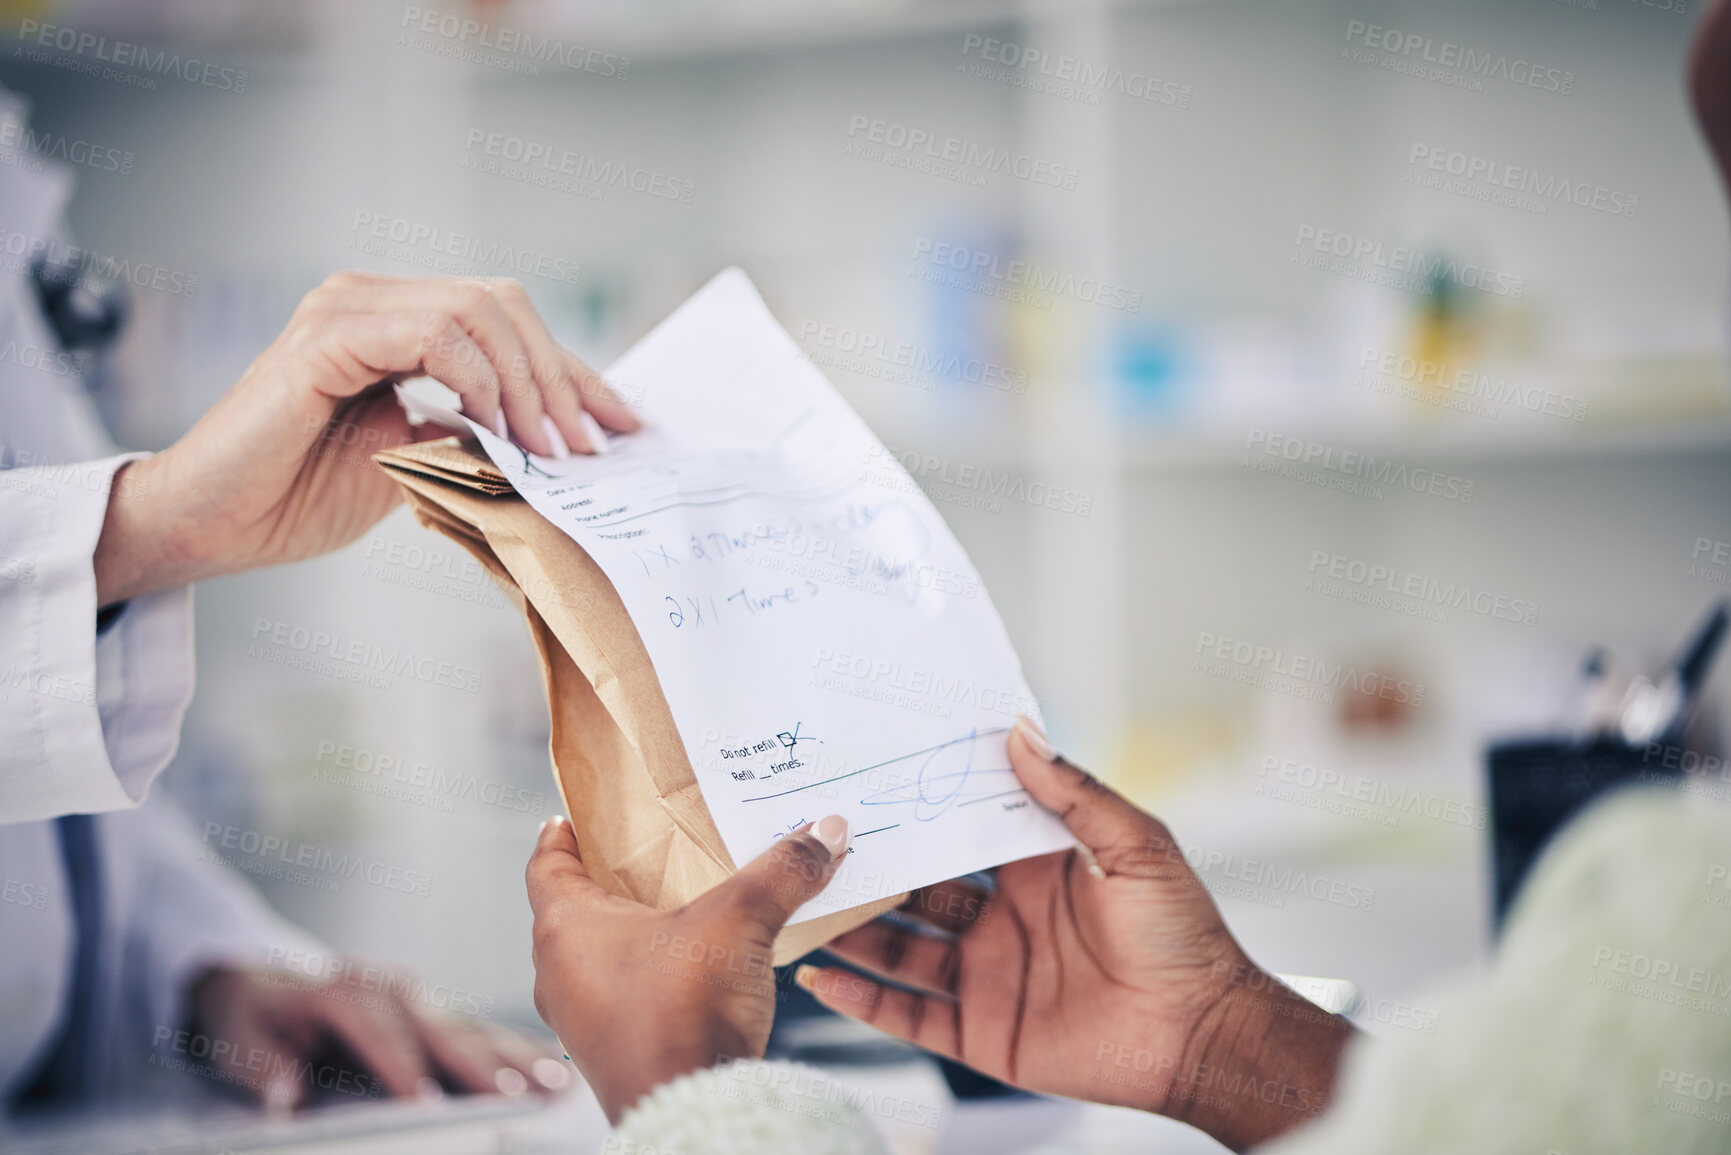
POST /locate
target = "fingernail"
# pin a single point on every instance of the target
(427, 1089)
(833, 833)
(551, 1074)
(597, 436)
(806, 977)
(560, 450)
(499, 426)
(510, 1081)
(279, 1096)
(1093, 863)
(1036, 738)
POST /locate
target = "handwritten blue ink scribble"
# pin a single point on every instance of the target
(530, 469)
(792, 738)
(968, 739)
(941, 784)
(791, 827)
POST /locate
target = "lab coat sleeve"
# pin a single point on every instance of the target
(1601, 1026)
(88, 721)
(746, 1107)
(191, 913)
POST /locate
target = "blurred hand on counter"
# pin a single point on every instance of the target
(282, 1040)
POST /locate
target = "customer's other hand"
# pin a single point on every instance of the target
(280, 469)
(1102, 973)
(640, 996)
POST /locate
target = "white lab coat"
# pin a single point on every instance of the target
(87, 722)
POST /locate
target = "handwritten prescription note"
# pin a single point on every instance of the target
(823, 641)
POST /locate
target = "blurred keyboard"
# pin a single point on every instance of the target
(453, 1126)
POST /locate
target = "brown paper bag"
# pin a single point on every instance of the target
(621, 766)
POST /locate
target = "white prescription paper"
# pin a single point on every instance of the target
(823, 642)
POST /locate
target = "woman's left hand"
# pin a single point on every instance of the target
(640, 996)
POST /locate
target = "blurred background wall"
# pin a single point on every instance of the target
(1258, 183)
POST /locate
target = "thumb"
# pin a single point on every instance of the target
(1102, 820)
(769, 888)
(556, 872)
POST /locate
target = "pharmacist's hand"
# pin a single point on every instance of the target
(1103, 973)
(280, 1040)
(279, 469)
(640, 996)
